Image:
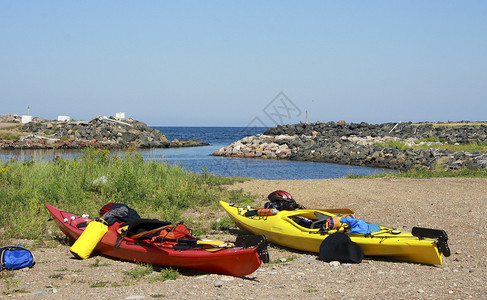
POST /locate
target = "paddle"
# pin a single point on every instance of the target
(146, 233)
(213, 244)
(345, 211)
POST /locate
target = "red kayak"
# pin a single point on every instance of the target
(238, 259)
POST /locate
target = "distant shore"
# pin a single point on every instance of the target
(99, 132)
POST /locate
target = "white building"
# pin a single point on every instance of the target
(26, 119)
(63, 118)
(120, 115)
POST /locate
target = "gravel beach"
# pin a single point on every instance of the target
(456, 205)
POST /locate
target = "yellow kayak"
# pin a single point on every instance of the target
(285, 228)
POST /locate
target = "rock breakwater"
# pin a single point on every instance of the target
(366, 145)
(100, 131)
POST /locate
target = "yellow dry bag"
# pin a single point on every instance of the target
(87, 241)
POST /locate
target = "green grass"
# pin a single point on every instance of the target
(97, 264)
(10, 136)
(279, 261)
(223, 223)
(471, 147)
(10, 283)
(453, 124)
(432, 140)
(142, 270)
(99, 283)
(13, 127)
(155, 189)
(57, 275)
(165, 274)
(482, 173)
(139, 271)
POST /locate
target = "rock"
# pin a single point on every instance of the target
(355, 144)
(334, 263)
(218, 283)
(135, 297)
(108, 133)
(39, 293)
(227, 278)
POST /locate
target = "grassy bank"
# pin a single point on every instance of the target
(481, 173)
(10, 132)
(452, 124)
(82, 185)
(435, 143)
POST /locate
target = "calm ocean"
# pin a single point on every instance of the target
(199, 158)
(196, 159)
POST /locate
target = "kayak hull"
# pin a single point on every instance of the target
(235, 261)
(281, 229)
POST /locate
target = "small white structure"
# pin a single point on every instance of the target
(120, 115)
(63, 118)
(26, 119)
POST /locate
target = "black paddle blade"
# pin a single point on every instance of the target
(440, 236)
(258, 241)
(339, 247)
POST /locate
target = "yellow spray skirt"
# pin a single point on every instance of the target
(87, 241)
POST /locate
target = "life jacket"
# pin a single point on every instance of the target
(140, 228)
(177, 232)
(178, 237)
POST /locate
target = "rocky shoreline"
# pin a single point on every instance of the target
(99, 132)
(364, 144)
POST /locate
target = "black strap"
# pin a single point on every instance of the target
(120, 237)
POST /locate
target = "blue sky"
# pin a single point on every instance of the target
(229, 63)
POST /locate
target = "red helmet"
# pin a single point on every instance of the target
(280, 196)
(105, 208)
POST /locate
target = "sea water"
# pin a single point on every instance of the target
(199, 159)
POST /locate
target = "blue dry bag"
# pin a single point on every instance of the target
(15, 257)
(360, 226)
